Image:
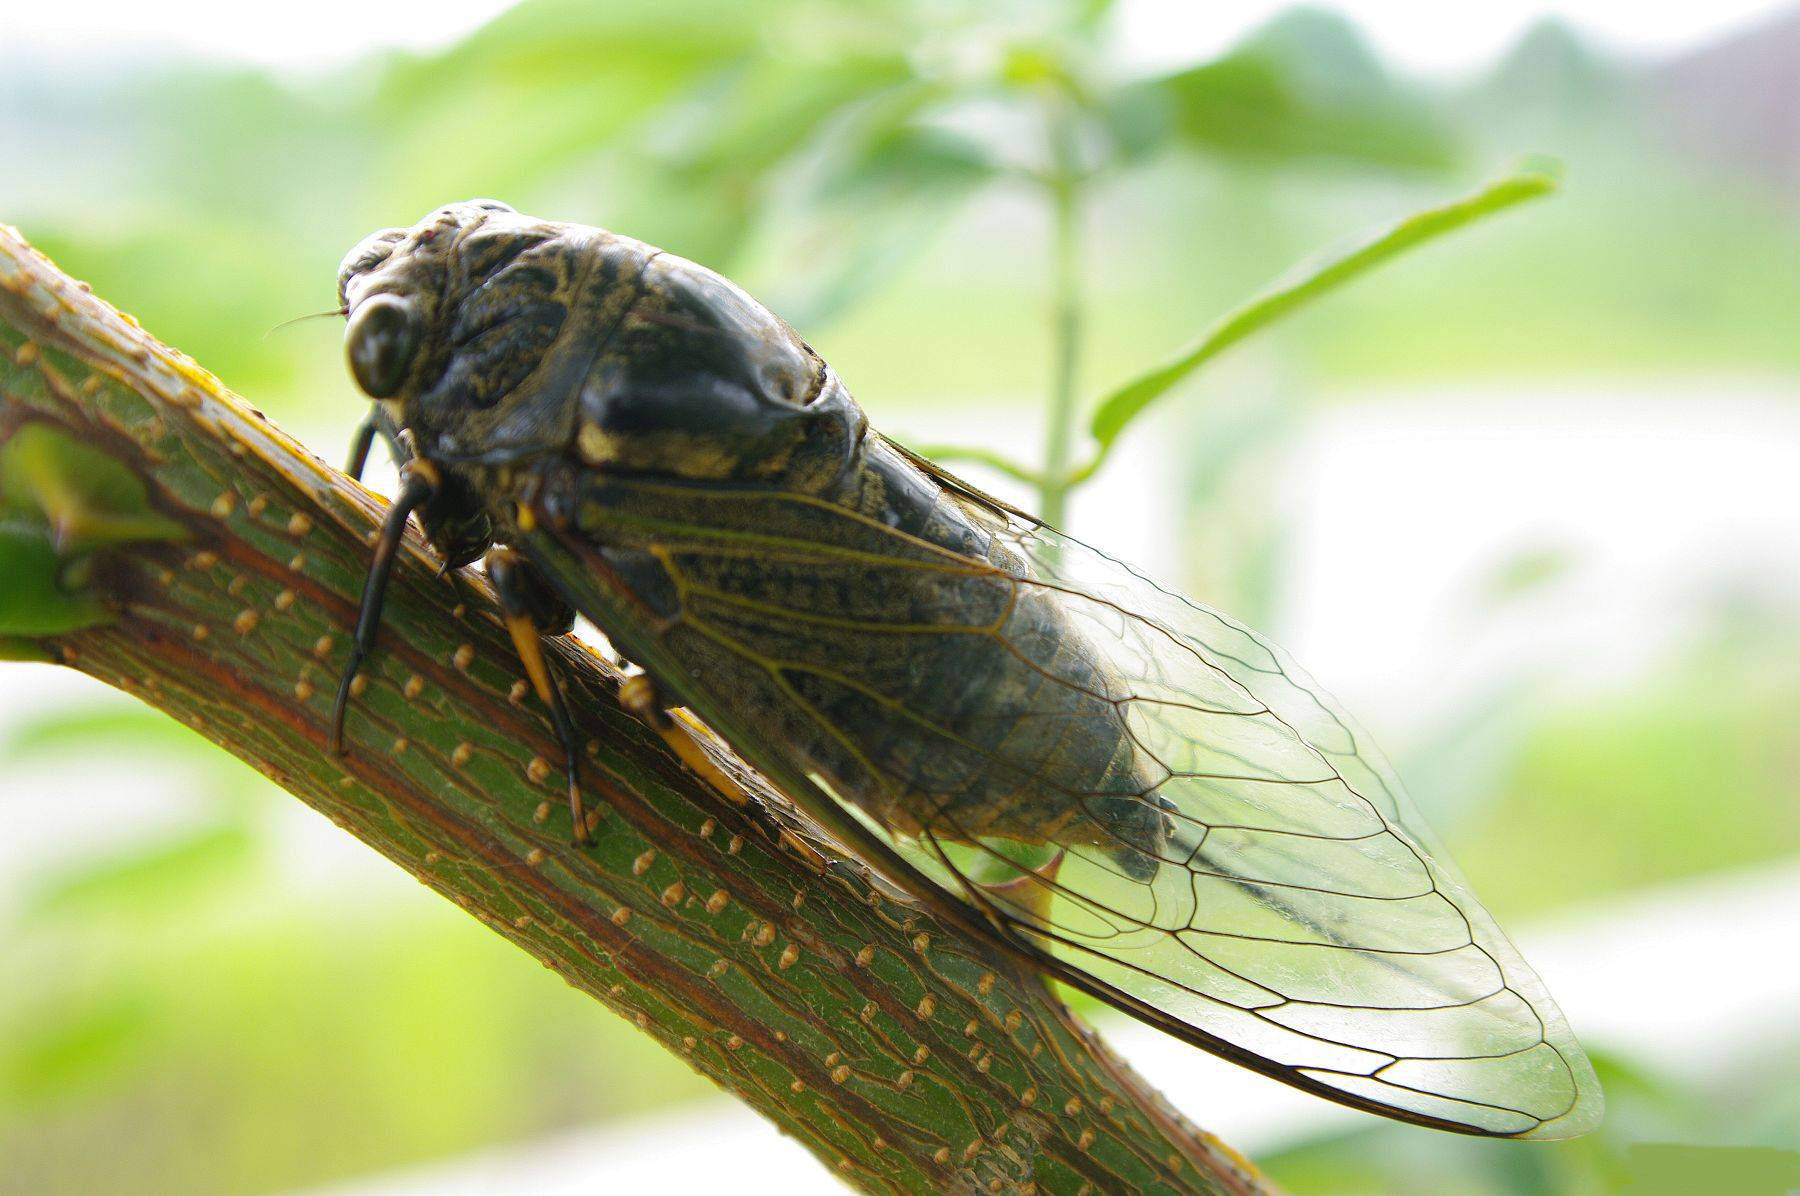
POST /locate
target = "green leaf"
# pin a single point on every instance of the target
(89, 499)
(19, 648)
(1306, 86)
(59, 500)
(38, 595)
(907, 160)
(942, 453)
(744, 120)
(854, 254)
(886, 180)
(1302, 285)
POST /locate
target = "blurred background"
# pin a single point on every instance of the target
(1524, 500)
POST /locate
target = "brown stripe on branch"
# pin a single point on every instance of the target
(904, 1054)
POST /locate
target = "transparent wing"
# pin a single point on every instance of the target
(1297, 906)
(1145, 792)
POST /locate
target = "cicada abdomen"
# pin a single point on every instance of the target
(886, 639)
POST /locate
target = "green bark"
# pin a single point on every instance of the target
(902, 1053)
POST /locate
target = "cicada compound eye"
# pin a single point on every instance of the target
(382, 337)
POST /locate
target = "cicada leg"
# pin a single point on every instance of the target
(359, 448)
(377, 424)
(640, 695)
(533, 610)
(419, 481)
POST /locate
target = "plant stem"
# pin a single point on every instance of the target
(1064, 185)
(904, 1053)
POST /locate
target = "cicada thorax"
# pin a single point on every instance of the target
(878, 634)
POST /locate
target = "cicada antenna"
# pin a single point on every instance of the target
(311, 315)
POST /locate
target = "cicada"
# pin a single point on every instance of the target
(1122, 787)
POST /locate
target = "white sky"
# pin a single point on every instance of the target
(1426, 35)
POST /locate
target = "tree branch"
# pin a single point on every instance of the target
(904, 1055)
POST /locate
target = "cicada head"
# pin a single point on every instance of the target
(456, 324)
(495, 338)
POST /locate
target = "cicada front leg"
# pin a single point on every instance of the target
(378, 424)
(359, 447)
(419, 482)
(532, 610)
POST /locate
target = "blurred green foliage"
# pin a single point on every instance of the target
(1642, 1108)
(878, 170)
(1690, 770)
(176, 991)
